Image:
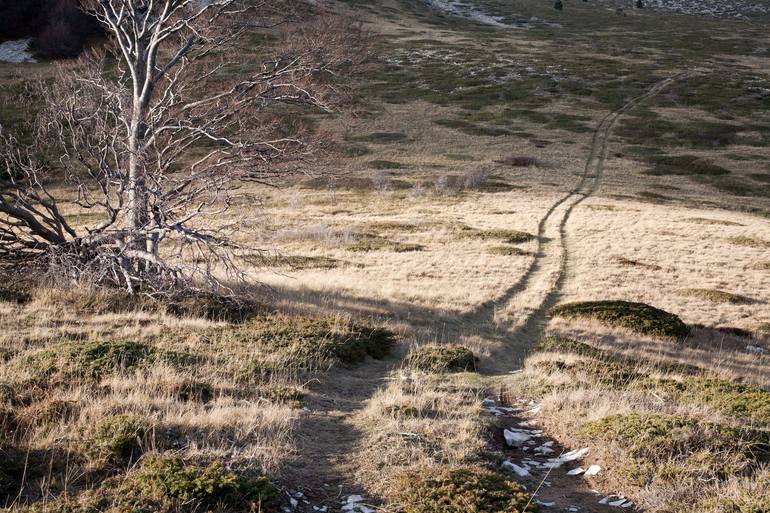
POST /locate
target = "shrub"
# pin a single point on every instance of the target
(186, 486)
(520, 161)
(733, 399)
(509, 236)
(310, 339)
(14, 294)
(214, 307)
(367, 244)
(91, 360)
(638, 317)
(119, 437)
(190, 390)
(715, 296)
(684, 165)
(441, 358)
(626, 262)
(672, 450)
(458, 490)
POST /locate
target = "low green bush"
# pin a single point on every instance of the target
(638, 317)
(367, 244)
(90, 360)
(441, 358)
(458, 490)
(715, 296)
(671, 450)
(119, 437)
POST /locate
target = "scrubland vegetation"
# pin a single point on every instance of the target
(517, 262)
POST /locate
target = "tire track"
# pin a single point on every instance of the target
(551, 261)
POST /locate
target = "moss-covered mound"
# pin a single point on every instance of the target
(89, 360)
(669, 449)
(715, 296)
(568, 345)
(458, 490)
(441, 358)
(14, 294)
(638, 317)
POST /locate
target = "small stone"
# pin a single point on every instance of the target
(593, 470)
(576, 471)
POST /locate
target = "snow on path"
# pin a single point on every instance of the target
(16, 51)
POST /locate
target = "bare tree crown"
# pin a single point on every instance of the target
(157, 132)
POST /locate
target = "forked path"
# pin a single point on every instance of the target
(522, 309)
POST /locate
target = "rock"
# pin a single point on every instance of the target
(516, 438)
(512, 467)
(576, 471)
(545, 504)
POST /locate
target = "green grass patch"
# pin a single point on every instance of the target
(637, 317)
(457, 490)
(367, 244)
(749, 242)
(684, 165)
(299, 262)
(509, 236)
(671, 450)
(507, 251)
(380, 138)
(119, 438)
(733, 399)
(441, 358)
(473, 129)
(66, 361)
(715, 296)
(710, 222)
(384, 164)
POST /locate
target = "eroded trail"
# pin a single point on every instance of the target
(522, 309)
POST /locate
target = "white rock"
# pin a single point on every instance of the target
(354, 498)
(604, 500)
(515, 438)
(364, 509)
(294, 502)
(573, 455)
(593, 470)
(627, 504)
(618, 503)
(576, 471)
(546, 504)
(520, 471)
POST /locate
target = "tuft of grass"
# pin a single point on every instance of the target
(519, 161)
(638, 317)
(86, 360)
(715, 296)
(749, 242)
(441, 358)
(665, 449)
(119, 437)
(762, 266)
(507, 251)
(707, 221)
(367, 244)
(626, 262)
(213, 307)
(281, 394)
(568, 345)
(457, 490)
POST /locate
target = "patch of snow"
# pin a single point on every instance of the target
(593, 470)
(545, 504)
(510, 466)
(755, 349)
(576, 471)
(16, 51)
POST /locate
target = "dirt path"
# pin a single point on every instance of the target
(526, 303)
(324, 469)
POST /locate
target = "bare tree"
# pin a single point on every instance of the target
(156, 133)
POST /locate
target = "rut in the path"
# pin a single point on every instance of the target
(545, 277)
